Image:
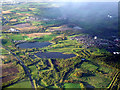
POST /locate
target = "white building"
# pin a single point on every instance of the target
(13, 30)
(95, 37)
(109, 16)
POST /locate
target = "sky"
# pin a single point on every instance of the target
(63, 0)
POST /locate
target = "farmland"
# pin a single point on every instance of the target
(88, 64)
(37, 34)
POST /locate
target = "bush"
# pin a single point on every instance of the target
(3, 41)
(78, 74)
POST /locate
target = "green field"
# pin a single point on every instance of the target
(71, 85)
(21, 84)
(3, 51)
(45, 38)
(34, 71)
(17, 37)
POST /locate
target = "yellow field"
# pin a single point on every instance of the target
(6, 12)
(37, 34)
(27, 28)
(60, 28)
(13, 20)
(32, 9)
(23, 14)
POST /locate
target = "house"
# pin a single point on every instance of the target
(109, 16)
(117, 40)
(95, 37)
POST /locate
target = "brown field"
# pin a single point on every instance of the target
(13, 20)
(3, 56)
(8, 78)
(7, 56)
(28, 14)
(37, 34)
(6, 65)
(60, 28)
(20, 14)
(6, 12)
(5, 27)
(60, 36)
(23, 14)
(22, 25)
(32, 9)
(27, 28)
(10, 70)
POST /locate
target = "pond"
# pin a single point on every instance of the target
(34, 44)
(54, 55)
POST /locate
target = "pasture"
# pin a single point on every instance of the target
(21, 84)
(37, 34)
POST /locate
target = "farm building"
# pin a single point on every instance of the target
(13, 30)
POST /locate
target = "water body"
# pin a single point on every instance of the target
(54, 55)
(33, 44)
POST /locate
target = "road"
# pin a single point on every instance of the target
(25, 68)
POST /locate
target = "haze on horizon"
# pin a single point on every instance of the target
(59, 0)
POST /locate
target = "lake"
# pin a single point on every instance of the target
(34, 44)
(54, 55)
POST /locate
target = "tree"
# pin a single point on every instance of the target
(78, 74)
(4, 41)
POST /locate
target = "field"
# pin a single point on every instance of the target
(45, 38)
(71, 85)
(64, 46)
(11, 73)
(89, 67)
(18, 37)
(94, 74)
(6, 12)
(37, 34)
(10, 70)
(27, 28)
(21, 84)
(22, 25)
(3, 51)
(60, 28)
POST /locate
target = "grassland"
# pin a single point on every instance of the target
(3, 51)
(34, 71)
(45, 38)
(17, 37)
(21, 84)
(37, 34)
(71, 85)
